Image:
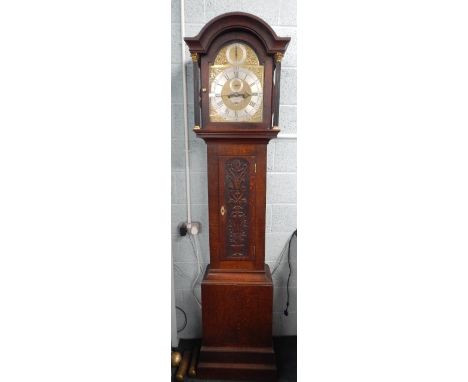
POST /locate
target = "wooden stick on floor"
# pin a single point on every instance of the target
(184, 365)
(192, 372)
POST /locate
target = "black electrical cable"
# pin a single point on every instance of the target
(185, 318)
(290, 270)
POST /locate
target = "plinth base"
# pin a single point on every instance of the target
(252, 364)
(237, 310)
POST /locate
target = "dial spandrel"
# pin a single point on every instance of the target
(236, 85)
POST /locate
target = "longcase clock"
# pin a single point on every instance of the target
(237, 66)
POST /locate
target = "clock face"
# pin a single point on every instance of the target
(236, 85)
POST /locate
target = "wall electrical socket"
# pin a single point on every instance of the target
(192, 228)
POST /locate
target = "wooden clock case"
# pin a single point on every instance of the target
(237, 289)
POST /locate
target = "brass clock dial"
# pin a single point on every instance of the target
(236, 85)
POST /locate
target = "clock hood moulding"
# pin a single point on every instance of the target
(237, 21)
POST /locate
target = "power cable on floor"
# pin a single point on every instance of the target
(290, 271)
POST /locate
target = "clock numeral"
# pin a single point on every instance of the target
(226, 76)
(220, 103)
(252, 103)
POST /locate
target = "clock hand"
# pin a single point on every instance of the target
(243, 95)
(234, 95)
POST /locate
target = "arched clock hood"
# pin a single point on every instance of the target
(270, 48)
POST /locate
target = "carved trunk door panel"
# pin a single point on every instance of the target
(237, 207)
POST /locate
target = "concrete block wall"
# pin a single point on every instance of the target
(281, 177)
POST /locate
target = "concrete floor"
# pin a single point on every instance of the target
(286, 358)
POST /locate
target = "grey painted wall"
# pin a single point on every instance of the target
(281, 177)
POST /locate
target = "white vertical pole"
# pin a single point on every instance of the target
(186, 133)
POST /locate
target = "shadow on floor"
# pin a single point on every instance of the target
(286, 359)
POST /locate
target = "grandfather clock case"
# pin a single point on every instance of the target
(236, 72)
